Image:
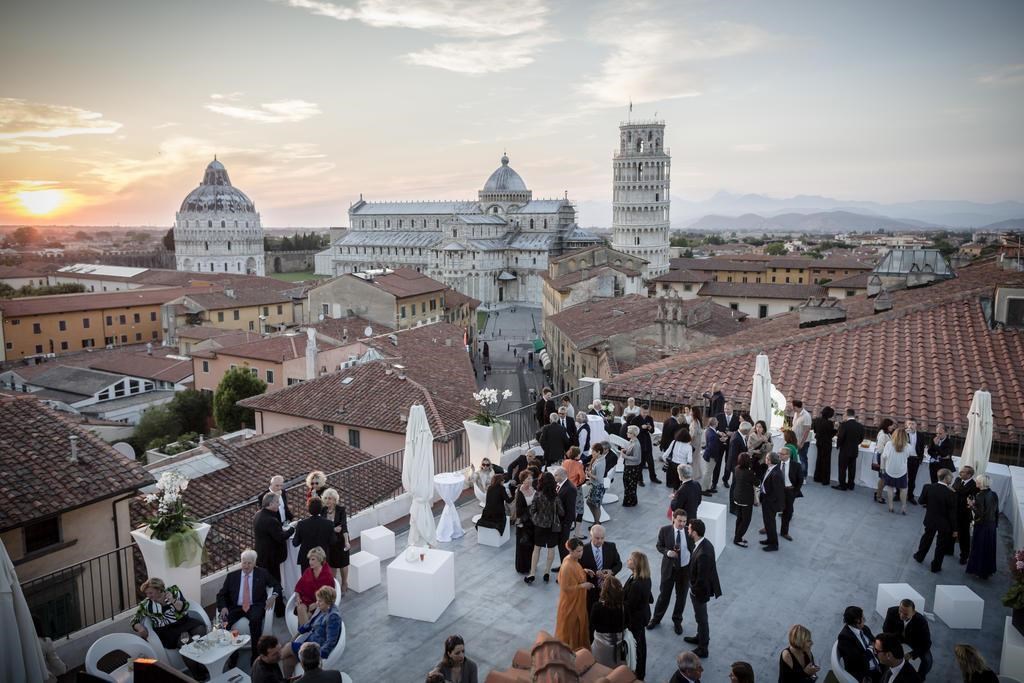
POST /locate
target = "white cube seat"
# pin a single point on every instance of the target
(491, 537)
(363, 571)
(959, 606)
(715, 517)
(379, 541)
(890, 594)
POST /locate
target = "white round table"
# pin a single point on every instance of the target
(449, 485)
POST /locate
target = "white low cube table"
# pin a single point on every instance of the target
(1012, 662)
(715, 517)
(379, 541)
(491, 537)
(421, 590)
(363, 571)
(890, 594)
(959, 606)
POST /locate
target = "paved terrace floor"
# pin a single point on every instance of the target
(844, 545)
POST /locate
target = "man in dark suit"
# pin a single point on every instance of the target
(854, 647)
(917, 442)
(244, 594)
(911, 627)
(716, 400)
(544, 407)
(848, 439)
(553, 441)
(566, 492)
(645, 423)
(773, 500)
(674, 544)
(704, 585)
(939, 519)
(269, 540)
(277, 486)
(965, 489)
(890, 655)
(737, 445)
(940, 452)
(712, 456)
(569, 425)
(728, 419)
(312, 666)
(668, 429)
(600, 560)
(793, 480)
(688, 495)
(315, 531)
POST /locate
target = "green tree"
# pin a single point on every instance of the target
(83, 236)
(237, 384)
(6, 291)
(168, 239)
(25, 235)
(713, 239)
(776, 249)
(158, 424)
(192, 409)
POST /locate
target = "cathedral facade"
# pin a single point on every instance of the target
(217, 229)
(494, 248)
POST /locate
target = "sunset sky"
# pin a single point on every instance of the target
(110, 110)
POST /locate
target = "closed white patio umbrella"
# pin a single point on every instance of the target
(21, 656)
(761, 392)
(978, 442)
(418, 477)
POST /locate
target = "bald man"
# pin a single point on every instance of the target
(600, 560)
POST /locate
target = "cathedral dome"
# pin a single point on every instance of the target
(505, 179)
(215, 193)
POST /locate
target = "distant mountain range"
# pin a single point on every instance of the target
(833, 214)
(822, 221)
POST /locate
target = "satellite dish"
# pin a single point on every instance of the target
(368, 331)
(125, 449)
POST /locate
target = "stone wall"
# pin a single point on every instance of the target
(289, 261)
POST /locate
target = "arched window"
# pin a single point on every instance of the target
(229, 245)
(545, 223)
(531, 224)
(209, 224)
(223, 224)
(211, 267)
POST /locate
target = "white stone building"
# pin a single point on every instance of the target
(217, 228)
(640, 194)
(493, 249)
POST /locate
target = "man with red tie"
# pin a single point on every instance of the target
(245, 594)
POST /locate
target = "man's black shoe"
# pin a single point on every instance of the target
(652, 624)
(701, 652)
(656, 481)
(838, 487)
(692, 640)
(678, 628)
(640, 483)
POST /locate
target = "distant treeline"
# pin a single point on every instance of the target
(306, 241)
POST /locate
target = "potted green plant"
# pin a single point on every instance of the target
(1014, 598)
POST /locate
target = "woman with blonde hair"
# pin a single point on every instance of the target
(894, 467)
(337, 554)
(317, 576)
(323, 628)
(972, 665)
(985, 508)
(637, 602)
(796, 662)
(316, 484)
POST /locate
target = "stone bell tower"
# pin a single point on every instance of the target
(640, 193)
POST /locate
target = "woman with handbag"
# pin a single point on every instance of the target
(637, 604)
(680, 452)
(595, 481)
(546, 512)
(523, 522)
(608, 621)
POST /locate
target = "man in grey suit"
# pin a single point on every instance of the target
(566, 492)
(309, 657)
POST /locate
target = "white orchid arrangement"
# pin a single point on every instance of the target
(172, 516)
(490, 402)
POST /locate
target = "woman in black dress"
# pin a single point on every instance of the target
(824, 429)
(523, 522)
(972, 665)
(796, 662)
(547, 513)
(982, 561)
(337, 553)
(493, 515)
(638, 599)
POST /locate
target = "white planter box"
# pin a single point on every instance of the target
(482, 443)
(154, 552)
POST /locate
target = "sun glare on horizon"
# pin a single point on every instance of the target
(42, 202)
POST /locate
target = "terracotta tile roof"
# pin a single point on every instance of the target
(760, 291)
(438, 375)
(855, 281)
(405, 282)
(202, 332)
(68, 303)
(127, 360)
(563, 282)
(682, 275)
(453, 298)
(352, 326)
(38, 477)
(276, 349)
(833, 263)
(593, 321)
(886, 364)
(290, 453)
(238, 297)
(715, 263)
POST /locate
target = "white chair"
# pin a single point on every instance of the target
(481, 495)
(242, 625)
(128, 643)
(173, 657)
(292, 619)
(334, 660)
(837, 668)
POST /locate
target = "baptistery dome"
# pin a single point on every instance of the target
(215, 193)
(504, 179)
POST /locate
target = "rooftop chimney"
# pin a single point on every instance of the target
(821, 311)
(400, 370)
(883, 302)
(394, 339)
(230, 293)
(149, 348)
(74, 449)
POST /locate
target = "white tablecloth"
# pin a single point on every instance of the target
(1000, 482)
(290, 570)
(865, 476)
(449, 485)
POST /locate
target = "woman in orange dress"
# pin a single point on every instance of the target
(571, 624)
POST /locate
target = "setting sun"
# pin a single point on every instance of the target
(41, 202)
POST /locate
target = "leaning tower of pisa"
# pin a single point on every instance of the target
(640, 199)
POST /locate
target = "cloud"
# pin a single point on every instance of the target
(278, 111)
(480, 56)
(1011, 74)
(26, 125)
(499, 35)
(655, 60)
(751, 147)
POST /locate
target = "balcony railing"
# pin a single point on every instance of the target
(101, 588)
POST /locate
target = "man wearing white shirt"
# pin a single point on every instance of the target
(890, 654)
(245, 594)
(674, 544)
(277, 486)
(802, 428)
